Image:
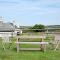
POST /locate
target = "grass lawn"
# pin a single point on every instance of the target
(29, 55)
(11, 54)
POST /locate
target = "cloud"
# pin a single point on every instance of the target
(8, 2)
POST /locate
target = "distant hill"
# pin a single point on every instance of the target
(53, 26)
(49, 27)
(25, 27)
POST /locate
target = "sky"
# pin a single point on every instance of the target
(31, 12)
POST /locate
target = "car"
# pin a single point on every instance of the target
(18, 33)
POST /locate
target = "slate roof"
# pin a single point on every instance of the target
(6, 27)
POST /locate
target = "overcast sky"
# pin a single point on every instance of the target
(30, 12)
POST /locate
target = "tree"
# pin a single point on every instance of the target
(38, 27)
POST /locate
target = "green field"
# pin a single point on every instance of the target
(11, 54)
(29, 55)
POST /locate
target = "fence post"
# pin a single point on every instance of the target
(43, 47)
(18, 44)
